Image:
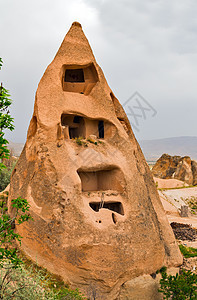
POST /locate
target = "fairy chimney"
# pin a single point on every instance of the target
(97, 217)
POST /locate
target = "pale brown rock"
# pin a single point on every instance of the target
(144, 287)
(98, 220)
(194, 171)
(169, 183)
(184, 170)
(140, 288)
(181, 168)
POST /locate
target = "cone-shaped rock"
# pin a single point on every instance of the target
(98, 220)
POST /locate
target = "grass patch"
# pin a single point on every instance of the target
(188, 251)
(80, 141)
(192, 203)
(32, 282)
(178, 188)
(92, 141)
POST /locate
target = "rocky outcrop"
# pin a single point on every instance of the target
(184, 170)
(97, 217)
(177, 167)
(194, 172)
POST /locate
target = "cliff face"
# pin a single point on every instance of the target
(181, 168)
(97, 216)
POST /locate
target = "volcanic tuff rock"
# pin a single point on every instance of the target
(181, 168)
(98, 220)
(194, 171)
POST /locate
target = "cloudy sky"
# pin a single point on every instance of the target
(146, 46)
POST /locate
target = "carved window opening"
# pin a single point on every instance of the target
(102, 180)
(77, 119)
(73, 126)
(79, 79)
(101, 129)
(113, 206)
(75, 75)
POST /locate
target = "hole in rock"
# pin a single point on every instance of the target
(79, 79)
(77, 119)
(114, 218)
(101, 129)
(74, 126)
(78, 126)
(114, 206)
(102, 180)
(112, 96)
(75, 75)
(14, 171)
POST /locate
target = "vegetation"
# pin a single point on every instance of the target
(188, 251)
(5, 178)
(80, 141)
(90, 140)
(162, 270)
(19, 279)
(34, 283)
(5, 173)
(6, 121)
(177, 188)
(16, 282)
(192, 203)
(179, 287)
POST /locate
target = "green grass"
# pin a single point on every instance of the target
(178, 188)
(32, 282)
(80, 141)
(188, 251)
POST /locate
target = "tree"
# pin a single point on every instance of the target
(19, 206)
(6, 121)
(8, 255)
(179, 287)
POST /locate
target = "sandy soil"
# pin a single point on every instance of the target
(173, 199)
(169, 183)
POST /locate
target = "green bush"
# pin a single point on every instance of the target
(5, 178)
(179, 287)
(20, 214)
(188, 251)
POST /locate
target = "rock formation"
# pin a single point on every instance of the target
(181, 168)
(98, 220)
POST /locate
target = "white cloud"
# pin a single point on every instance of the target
(147, 45)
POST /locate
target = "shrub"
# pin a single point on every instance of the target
(80, 141)
(31, 284)
(188, 251)
(179, 287)
(20, 207)
(4, 178)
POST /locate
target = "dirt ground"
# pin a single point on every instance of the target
(172, 198)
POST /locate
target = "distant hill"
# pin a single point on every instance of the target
(16, 148)
(185, 145)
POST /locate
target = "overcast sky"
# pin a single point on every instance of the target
(148, 46)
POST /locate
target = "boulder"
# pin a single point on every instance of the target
(184, 170)
(165, 166)
(140, 288)
(194, 171)
(177, 167)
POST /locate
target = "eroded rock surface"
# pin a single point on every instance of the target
(98, 220)
(177, 167)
